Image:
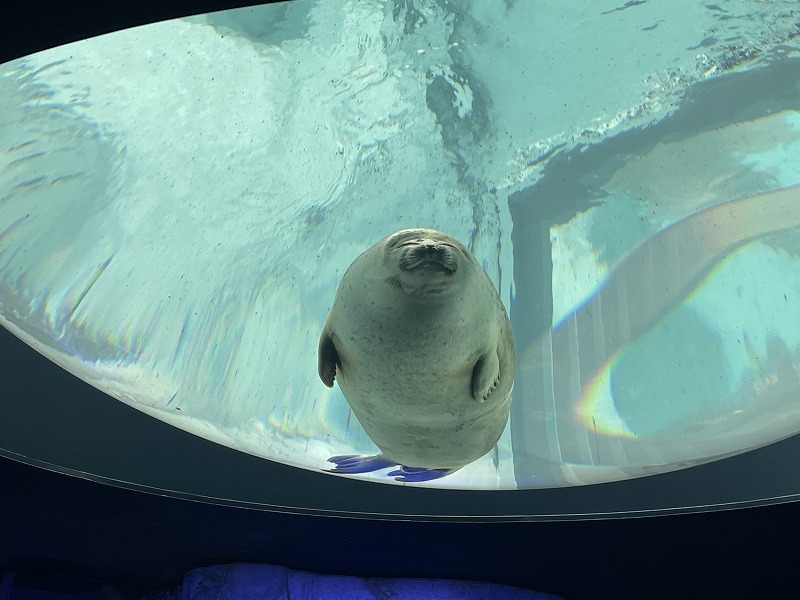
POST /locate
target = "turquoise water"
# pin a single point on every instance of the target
(179, 201)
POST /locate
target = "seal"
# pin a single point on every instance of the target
(421, 346)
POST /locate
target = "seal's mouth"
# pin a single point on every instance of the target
(428, 257)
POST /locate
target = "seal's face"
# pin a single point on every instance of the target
(423, 261)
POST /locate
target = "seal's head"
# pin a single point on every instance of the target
(423, 262)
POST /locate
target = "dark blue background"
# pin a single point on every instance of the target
(68, 533)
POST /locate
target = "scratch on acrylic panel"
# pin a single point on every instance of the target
(80, 292)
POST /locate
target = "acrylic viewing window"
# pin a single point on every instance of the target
(179, 201)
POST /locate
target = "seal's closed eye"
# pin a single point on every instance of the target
(402, 238)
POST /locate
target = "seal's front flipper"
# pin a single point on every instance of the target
(327, 359)
(418, 474)
(359, 463)
(485, 375)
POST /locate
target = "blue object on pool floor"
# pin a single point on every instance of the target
(360, 463)
(269, 582)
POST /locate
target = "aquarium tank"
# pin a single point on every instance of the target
(180, 201)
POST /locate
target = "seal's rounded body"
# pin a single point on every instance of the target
(421, 346)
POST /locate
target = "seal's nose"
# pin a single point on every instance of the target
(430, 250)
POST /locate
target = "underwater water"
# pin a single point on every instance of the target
(178, 203)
